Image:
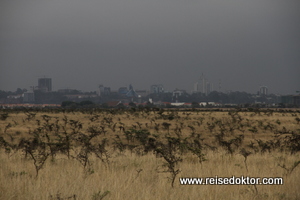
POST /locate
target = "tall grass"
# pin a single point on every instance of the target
(142, 154)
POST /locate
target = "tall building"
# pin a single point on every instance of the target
(131, 92)
(103, 91)
(157, 89)
(100, 90)
(123, 90)
(209, 88)
(196, 87)
(176, 94)
(263, 90)
(45, 84)
(204, 87)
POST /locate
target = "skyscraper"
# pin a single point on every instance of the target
(196, 87)
(45, 84)
(204, 86)
(157, 89)
(263, 90)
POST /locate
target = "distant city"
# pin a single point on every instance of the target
(203, 95)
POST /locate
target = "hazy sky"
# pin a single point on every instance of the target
(83, 43)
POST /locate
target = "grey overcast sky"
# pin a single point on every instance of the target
(83, 43)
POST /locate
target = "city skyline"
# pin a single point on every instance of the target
(203, 93)
(203, 85)
(245, 44)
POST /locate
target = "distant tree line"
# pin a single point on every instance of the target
(218, 97)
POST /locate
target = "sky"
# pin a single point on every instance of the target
(243, 44)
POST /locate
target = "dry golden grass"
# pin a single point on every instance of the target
(124, 181)
(130, 176)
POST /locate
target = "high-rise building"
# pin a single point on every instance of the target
(263, 90)
(131, 92)
(103, 91)
(209, 88)
(45, 84)
(203, 84)
(123, 90)
(196, 87)
(157, 89)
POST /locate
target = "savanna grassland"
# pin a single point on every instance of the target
(142, 153)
